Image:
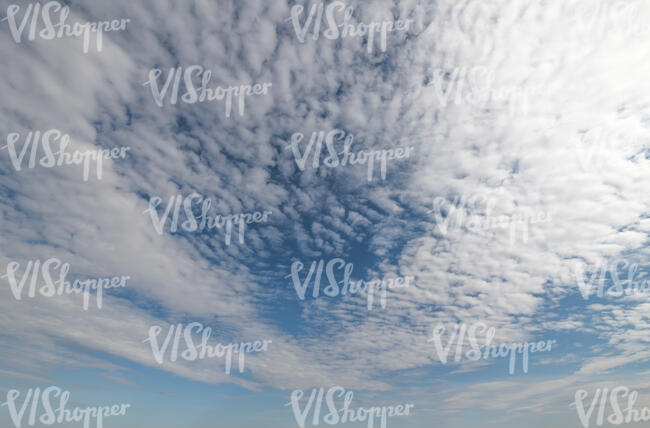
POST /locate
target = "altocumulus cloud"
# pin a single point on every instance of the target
(583, 75)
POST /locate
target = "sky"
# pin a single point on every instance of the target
(535, 109)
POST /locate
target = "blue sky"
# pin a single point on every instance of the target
(578, 150)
